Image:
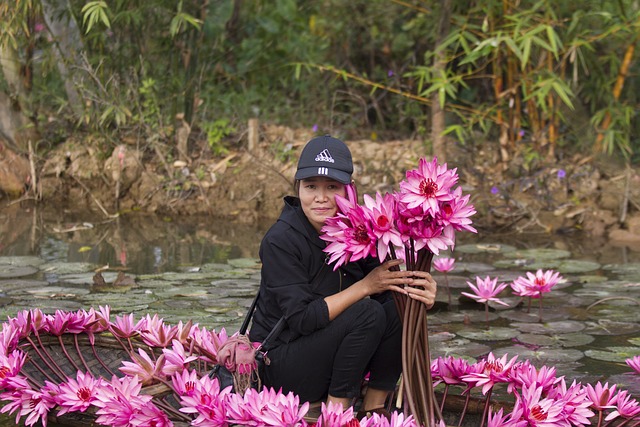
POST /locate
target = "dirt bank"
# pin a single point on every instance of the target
(576, 195)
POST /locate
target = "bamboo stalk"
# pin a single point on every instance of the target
(617, 89)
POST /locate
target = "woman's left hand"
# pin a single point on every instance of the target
(423, 288)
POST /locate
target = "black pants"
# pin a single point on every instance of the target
(366, 337)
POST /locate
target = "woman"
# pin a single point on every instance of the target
(339, 325)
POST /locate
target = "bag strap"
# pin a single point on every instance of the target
(247, 318)
(264, 346)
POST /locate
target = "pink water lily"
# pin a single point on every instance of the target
(428, 186)
(119, 401)
(149, 415)
(78, 394)
(208, 402)
(539, 411)
(266, 408)
(156, 333)
(382, 213)
(396, 420)
(145, 368)
(10, 366)
(455, 215)
(534, 285)
(526, 374)
(126, 326)
(176, 359)
(602, 397)
(491, 371)
(486, 290)
(634, 363)
(184, 382)
(350, 236)
(444, 264)
(333, 414)
(626, 407)
(575, 404)
(512, 419)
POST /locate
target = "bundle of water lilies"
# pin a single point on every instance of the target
(414, 224)
(128, 372)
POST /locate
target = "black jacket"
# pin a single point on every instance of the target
(296, 278)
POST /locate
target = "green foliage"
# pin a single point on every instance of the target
(94, 12)
(509, 66)
(216, 131)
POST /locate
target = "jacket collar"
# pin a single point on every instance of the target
(293, 215)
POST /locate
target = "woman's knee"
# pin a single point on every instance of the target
(370, 312)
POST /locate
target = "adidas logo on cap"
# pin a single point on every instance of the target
(324, 156)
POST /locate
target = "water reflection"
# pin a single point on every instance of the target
(136, 242)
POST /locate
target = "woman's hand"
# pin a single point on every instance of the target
(386, 277)
(423, 288)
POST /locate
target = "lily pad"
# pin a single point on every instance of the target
(472, 267)
(544, 355)
(490, 334)
(21, 261)
(519, 263)
(479, 248)
(628, 381)
(607, 327)
(548, 315)
(550, 328)
(458, 347)
(8, 271)
(634, 341)
(55, 292)
(563, 340)
(538, 254)
(21, 284)
(614, 354)
(463, 316)
(577, 266)
(58, 268)
(629, 268)
(245, 263)
(47, 305)
(181, 291)
(590, 279)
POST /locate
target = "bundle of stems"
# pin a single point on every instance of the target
(417, 385)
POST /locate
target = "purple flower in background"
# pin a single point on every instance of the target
(390, 73)
(494, 190)
(521, 133)
(561, 173)
(315, 128)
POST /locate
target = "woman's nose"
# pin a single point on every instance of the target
(322, 195)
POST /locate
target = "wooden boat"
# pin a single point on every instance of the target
(54, 358)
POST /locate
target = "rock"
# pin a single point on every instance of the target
(14, 172)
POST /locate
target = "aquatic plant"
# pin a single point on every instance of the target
(414, 223)
(36, 383)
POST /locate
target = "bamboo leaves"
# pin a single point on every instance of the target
(94, 12)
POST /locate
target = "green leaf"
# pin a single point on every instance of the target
(94, 12)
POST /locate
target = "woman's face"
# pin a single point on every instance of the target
(317, 197)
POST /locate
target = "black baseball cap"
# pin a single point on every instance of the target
(325, 156)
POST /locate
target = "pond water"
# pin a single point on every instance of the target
(207, 270)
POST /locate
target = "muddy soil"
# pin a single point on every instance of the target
(579, 194)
